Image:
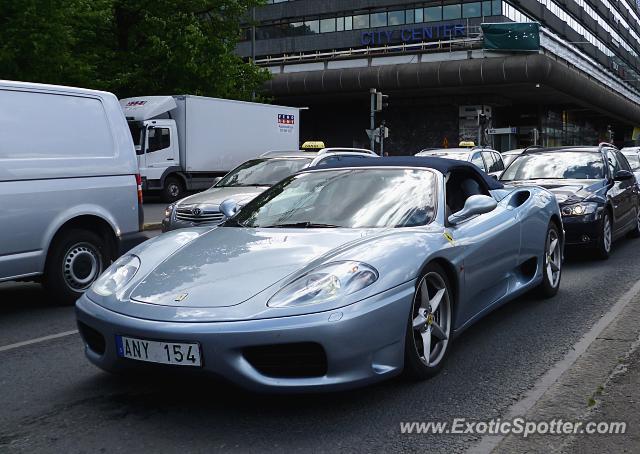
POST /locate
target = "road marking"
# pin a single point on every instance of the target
(37, 340)
(489, 442)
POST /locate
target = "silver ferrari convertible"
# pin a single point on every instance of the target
(336, 277)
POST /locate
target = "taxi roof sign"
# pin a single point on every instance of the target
(467, 143)
(313, 145)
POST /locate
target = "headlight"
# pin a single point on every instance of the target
(169, 210)
(325, 283)
(117, 275)
(579, 209)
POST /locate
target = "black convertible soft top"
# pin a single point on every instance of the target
(442, 165)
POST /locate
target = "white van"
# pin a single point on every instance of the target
(70, 192)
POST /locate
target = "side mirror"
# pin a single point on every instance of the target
(229, 207)
(623, 175)
(216, 180)
(475, 205)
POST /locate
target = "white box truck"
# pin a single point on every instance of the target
(184, 142)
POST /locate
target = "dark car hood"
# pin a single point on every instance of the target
(566, 191)
(227, 265)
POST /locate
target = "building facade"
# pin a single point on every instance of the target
(577, 83)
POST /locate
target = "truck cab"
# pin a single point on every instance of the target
(157, 147)
(155, 136)
(183, 142)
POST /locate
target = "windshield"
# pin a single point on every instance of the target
(353, 198)
(508, 158)
(580, 165)
(634, 160)
(263, 172)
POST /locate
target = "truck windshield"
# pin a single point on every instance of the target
(137, 134)
(263, 172)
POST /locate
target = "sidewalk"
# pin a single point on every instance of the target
(618, 401)
(603, 384)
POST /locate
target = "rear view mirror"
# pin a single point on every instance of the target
(229, 207)
(622, 175)
(475, 205)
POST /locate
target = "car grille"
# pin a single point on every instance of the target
(198, 215)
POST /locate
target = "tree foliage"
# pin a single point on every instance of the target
(130, 47)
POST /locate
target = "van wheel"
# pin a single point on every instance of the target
(173, 190)
(76, 259)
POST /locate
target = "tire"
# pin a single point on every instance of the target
(76, 259)
(603, 247)
(551, 263)
(423, 319)
(635, 232)
(173, 190)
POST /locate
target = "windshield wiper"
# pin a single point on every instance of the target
(304, 224)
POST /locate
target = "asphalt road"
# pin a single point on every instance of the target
(53, 400)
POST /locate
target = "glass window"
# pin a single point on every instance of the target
(450, 12)
(496, 8)
(396, 17)
(418, 15)
(340, 24)
(634, 160)
(348, 23)
(378, 20)
(312, 26)
(433, 14)
(297, 28)
(159, 139)
(556, 165)
(476, 160)
(471, 10)
(410, 16)
(486, 8)
(350, 198)
(327, 25)
(263, 172)
(624, 163)
(499, 162)
(360, 21)
(488, 161)
(614, 165)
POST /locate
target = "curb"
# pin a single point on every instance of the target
(573, 394)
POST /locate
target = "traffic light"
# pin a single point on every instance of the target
(381, 101)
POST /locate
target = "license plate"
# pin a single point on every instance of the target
(175, 353)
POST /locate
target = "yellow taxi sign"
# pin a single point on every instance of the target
(467, 143)
(313, 145)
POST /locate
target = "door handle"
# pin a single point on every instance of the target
(169, 159)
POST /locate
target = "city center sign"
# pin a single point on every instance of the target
(413, 34)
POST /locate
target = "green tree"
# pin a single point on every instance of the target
(130, 47)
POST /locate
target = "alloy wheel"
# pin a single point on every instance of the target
(431, 319)
(553, 258)
(606, 233)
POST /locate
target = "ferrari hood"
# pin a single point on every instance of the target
(566, 191)
(215, 195)
(229, 265)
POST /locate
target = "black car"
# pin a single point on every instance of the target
(597, 191)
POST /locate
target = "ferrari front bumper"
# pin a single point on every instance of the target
(362, 343)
